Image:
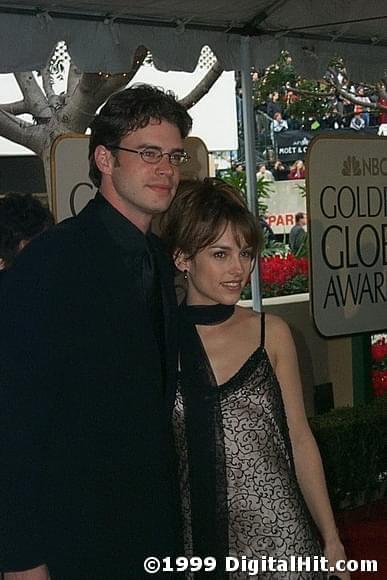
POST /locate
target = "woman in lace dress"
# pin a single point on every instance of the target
(251, 479)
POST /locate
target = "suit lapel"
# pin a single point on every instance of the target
(121, 277)
(116, 273)
(170, 322)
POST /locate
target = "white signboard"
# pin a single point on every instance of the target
(70, 183)
(286, 199)
(347, 197)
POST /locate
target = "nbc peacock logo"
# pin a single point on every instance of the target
(366, 166)
(351, 166)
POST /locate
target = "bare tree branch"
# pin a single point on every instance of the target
(298, 91)
(33, 95)
(47, 75)
(20, 131)
(73, 78)
(112, 83)
(333, 78)
(16, 108)
(339, 90)
(202, 87)
(92, 91)
(356, 101)
(48, 84)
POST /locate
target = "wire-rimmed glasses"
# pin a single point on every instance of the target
(153, 155)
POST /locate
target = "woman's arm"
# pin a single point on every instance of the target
(309, 470)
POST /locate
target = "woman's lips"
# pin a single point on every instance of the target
(234, 286)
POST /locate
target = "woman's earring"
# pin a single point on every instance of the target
(185, 274)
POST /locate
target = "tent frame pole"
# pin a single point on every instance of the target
(250, 153)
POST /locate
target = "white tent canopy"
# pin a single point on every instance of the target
(102, 36)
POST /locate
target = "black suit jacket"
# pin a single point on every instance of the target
(87, 480)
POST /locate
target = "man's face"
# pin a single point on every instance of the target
(137, 189)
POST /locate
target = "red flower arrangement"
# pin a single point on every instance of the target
(379, 366)
(282, 275)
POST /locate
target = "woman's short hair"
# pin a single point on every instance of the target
(201, 211)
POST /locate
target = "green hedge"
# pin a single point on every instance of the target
(352, 443)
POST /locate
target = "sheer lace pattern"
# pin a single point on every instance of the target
(265, 512)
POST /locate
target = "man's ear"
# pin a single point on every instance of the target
(2, 264)
(182, 263)
(104, 159)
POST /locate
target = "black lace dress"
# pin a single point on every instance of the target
(260, 510)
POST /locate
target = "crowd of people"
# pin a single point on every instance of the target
(133, 429)
(341, 112)
(278, 171)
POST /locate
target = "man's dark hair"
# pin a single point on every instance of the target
(22, 217)
(129, 110)
(299, 216)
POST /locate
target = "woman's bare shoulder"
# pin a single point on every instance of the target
(247, 317)
(278, 334)
(244, 313)
(275, 323)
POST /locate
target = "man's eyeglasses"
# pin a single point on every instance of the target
(153, 155)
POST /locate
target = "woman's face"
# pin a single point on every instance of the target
(218, 273)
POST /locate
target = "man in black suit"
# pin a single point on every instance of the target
(88, 365)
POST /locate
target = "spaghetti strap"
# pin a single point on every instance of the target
(262, 330)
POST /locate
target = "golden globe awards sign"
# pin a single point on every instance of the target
(71, 187)
(347, 210)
